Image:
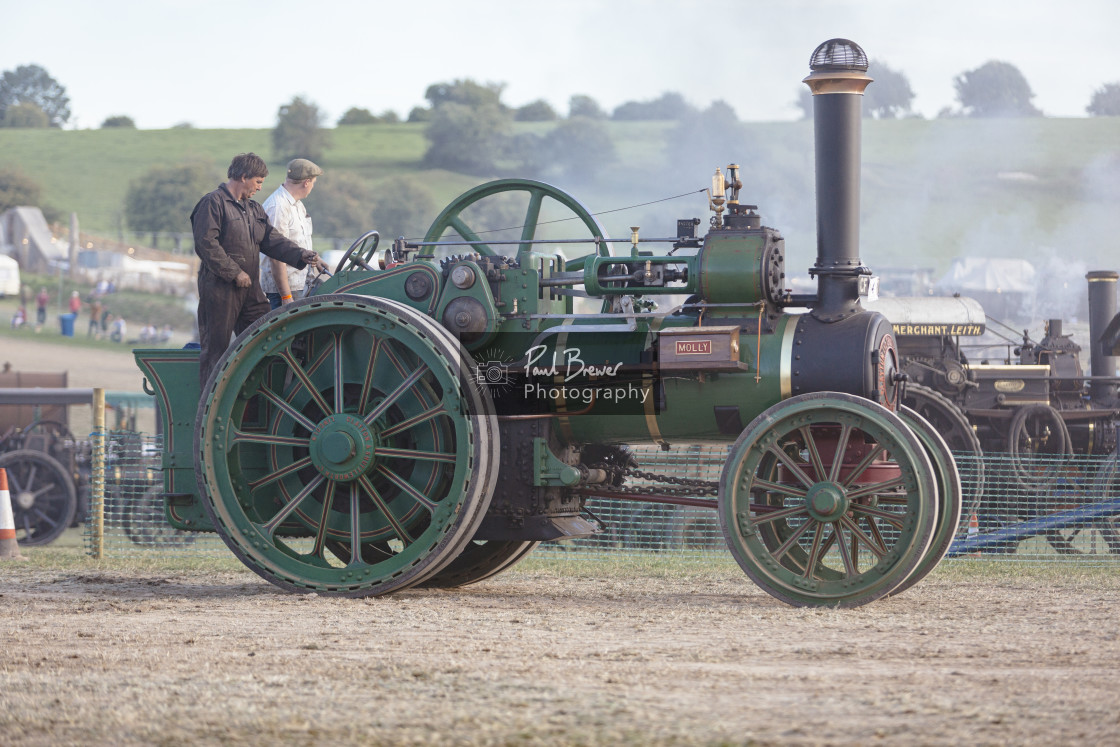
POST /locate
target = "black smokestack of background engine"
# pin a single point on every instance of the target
(1102, 309)
(838, 79)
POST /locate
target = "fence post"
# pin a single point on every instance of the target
(97, 478)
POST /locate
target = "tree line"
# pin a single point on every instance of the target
(470, 130)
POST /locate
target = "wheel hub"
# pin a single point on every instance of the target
(25, 499)
(342, 447)
(826, 501)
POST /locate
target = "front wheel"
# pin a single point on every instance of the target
(828, 499)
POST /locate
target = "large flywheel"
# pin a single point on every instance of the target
(828, 499)
(341, 447)
(526, 218)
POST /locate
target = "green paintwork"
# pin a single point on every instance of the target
(343, 421)
(548, 470)
(451, 217)
(172, 377)
(346, 444)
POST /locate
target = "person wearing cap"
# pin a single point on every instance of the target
(285, 209)
(230, 233)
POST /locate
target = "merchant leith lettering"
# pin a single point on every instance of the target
(939, 330)
(573, 366)
(694, 347)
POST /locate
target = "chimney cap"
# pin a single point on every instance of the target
(838, 54)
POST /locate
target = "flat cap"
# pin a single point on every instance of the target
(300, 169)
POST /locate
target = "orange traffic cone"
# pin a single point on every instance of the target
(9, 548)
(973, 530)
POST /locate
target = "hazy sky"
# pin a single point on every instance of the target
(232, 65)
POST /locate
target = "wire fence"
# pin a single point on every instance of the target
(1016, 508)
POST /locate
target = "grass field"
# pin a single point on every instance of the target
(933, 189)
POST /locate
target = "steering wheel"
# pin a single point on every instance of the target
(355, 258)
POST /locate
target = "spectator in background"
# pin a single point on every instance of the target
(94, 329)
(41, 302)
(75, 303)
(280, 282)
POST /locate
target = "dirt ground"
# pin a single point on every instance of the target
(105, 653)
(548, 654)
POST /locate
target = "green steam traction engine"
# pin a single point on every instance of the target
(424, 418)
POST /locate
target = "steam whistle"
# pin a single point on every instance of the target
(717, 197)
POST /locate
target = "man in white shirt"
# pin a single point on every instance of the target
(289, 217)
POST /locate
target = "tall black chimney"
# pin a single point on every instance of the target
(838, 80)
(1102, 309)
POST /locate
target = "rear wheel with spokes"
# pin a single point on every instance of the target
(340, 449)
(828, 499)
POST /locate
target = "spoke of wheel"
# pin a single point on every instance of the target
(39, 512)
(860, 468)
(886, 486)
(308, 384)
(240, 436)
(858, 536)
(845, 554)
(467, 234)
(283, 405)
(414, 421)
(791, 465)
(398, 528)
(355, 526)
(319, 360)
(894, 520)
(792, 540)
(876, 535)
(814, 455)
(838, 456)
(321, 532)
(338, 382)
(828, 543)
(290, 506)
(777, 514)
(776, 487)
(36, 493)
(409, 490)
(281, 473)
(396, 394)
(424, 456)
(814, 550)
(371, 366)
(28, 479)
(532, 215)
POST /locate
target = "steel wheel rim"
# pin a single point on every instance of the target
(949, 495)
(793, 549)
(376, 458)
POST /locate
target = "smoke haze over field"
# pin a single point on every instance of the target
(166, 63)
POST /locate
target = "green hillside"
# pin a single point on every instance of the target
(1043, 189)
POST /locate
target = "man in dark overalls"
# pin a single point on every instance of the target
(230, 232)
